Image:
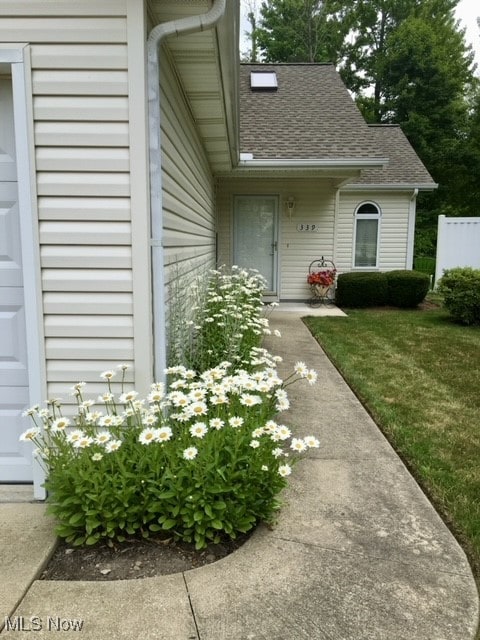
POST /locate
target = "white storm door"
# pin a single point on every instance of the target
(255, 236)
(15, 457)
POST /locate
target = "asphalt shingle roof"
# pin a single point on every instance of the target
(404, 166)
(312, 116)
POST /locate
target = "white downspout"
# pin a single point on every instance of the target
(411, 230)
(175, 27)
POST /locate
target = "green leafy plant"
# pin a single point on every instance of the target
(460, 288)
(227, 320)
(200, 460)
(204, 460)
(406, 289)
(361, 289)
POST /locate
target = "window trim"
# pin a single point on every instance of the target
(366, 216)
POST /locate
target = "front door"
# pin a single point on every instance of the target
(15, 457)
(255, 236)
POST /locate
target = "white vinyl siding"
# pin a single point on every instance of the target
(188, 190)
(393, 237)
(89, 117)
(314, 204)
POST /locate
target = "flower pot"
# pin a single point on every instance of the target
(320, 290)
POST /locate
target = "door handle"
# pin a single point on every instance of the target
(274, 247)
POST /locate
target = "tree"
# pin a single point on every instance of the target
(426, 76)
(251, 15)
(297, 31)
(406, 62)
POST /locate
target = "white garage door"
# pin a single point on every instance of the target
(15, 457)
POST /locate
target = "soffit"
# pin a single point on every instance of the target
(205, 65)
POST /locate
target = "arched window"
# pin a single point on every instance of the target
(367, 227)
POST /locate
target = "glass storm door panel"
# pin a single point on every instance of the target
(255, 236)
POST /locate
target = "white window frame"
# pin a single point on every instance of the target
(366, 216)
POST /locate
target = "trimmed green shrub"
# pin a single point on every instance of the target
(407, 288)
(460, 288)
(361, 289)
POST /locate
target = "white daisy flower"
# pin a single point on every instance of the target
(107, 375)
(147, 436)
(163, 434)
(129, 396)
(258, 432)
(91, 418)
(254, 444)
(270, 426)
(74, 435)
(60, 424)
(113, 445)
(156, 395)
(107, 421)
(284, 470)
(29, 434)
(235, 421)
(83, 443)
(264, 467)
(198, 409)
(282, 405)
(311, 376)
(311, 442)
(217, 423)
(198, 430)
(301, 369)
(298, 444)
(249, 400)
(283, 432)
(149, 419)
(190, 453)
(31, 411)
(97, 457)
(102, 437)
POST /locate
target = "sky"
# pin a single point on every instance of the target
(467, 12)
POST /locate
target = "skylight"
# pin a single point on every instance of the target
(263, 81)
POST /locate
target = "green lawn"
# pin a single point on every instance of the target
(418, 374)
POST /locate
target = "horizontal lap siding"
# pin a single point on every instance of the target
(188, 189)
(393, 228)
(80, 88)
(315, 204)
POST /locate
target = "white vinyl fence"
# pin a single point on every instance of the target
(458, 244)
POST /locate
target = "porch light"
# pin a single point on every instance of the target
(290, 206)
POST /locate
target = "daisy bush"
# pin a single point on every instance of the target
(202, 458)
(227, 322)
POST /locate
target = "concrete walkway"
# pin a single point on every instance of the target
(358, 553)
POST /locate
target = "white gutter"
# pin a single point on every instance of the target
(187, 25)
(312, 163)
(393, 186)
